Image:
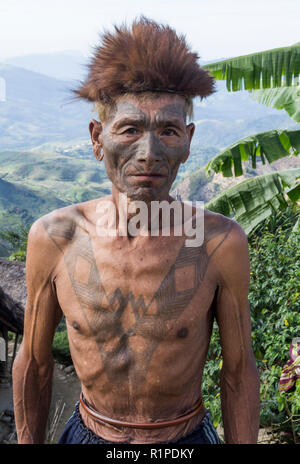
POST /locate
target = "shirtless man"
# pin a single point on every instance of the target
(139, 309)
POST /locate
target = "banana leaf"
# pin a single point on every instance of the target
(296, 228)
(262, 70)
(271, 146)
(253, 200)
(286, 98)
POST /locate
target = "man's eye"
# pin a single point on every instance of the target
(169, 132)
(131, 131)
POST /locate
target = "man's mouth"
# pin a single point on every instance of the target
(147, 175)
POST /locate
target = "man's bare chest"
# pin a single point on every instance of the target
(156, 279)
(131, 300)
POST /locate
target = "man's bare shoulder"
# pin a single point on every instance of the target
(60, 223)
(227, 245)
(47, 238)
(216, 224)
(224, 233)
(63, 222)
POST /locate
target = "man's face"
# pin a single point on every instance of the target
(144, 143)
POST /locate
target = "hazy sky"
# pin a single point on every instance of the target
(214, 28)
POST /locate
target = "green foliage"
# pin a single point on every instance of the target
(259, 70)
(275, 303)
(60, 347)
(283, 98)
(255, 199)
(211, 377)
(271, 146)
(21, 204)
(274, 299)
(289, 404)
(251, 202)
(19, 255)
(17, 242)
(15, 238)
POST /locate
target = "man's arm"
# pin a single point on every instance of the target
(33, 366)
(239, 375)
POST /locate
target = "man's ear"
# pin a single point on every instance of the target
(95, 128)
(190, 129)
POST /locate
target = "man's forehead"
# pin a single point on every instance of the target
(150, 109)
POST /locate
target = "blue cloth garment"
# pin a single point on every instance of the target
(76, 432)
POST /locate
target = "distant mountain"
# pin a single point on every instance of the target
(67, 65)
(230, 106)
(226, 117)
(39, 109)
(221, 133)
(77, 148)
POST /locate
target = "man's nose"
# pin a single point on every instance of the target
(149, 152)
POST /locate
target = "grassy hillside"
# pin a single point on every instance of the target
(70, 179)
(34, 183)
(21, 205)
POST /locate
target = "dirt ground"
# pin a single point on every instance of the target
(65, 394)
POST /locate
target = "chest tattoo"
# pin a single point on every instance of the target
(104, 313)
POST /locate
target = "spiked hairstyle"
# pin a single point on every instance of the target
(149, 57)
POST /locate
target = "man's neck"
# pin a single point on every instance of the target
(127, 209)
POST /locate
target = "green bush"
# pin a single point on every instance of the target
(275, 304)
(19, 255)
(60, 347)
(274, 299)
(17, 242)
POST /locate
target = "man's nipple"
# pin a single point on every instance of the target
(183, 332)
(75, 325)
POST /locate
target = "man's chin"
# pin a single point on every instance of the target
(146, 194)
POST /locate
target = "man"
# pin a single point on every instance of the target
(139, 308)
